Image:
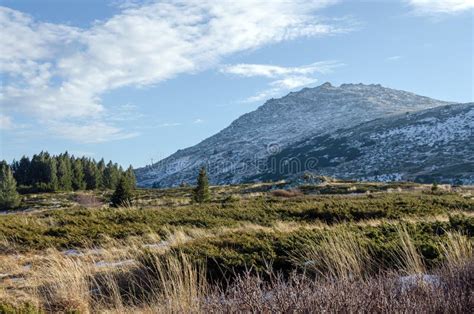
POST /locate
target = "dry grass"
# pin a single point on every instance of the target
(88, 200)
(407, 257)
(138, 268)
(182, 284)
(457, 249)
(63, 284)
(380, 294)
(152, 282)
(287, 193)
(163, 281)
(339, 255)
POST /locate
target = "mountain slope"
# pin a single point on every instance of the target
(234, 153)
(435, 145)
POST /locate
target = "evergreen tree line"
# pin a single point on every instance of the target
(64, 172)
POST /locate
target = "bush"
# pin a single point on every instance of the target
(201, 192)
(123, 194)
(230, 200)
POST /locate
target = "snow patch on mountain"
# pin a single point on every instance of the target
(236, 152)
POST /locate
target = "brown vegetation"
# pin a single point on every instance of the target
(287, 193)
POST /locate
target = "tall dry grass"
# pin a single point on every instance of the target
(167, 281)
(180, 284)
(457, 249)
(62, 284)
(407, 257)
(340, 254)
(140, 281)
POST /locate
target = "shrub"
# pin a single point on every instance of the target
(231, 199)
(123, 193)
(201, 192)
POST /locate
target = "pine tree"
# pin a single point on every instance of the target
(64, 172)
(123, 193)
(52, 174)
(101, 169)
(201, 192)
(38, 171)
(78, 182)
(91, 174)
(43, 172)
(9, 197)
(111, 175)
(21, 171)
(129, 175)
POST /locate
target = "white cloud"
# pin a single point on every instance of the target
(55, 72)
(394, 58)
(170, 124)
(283, 78)
(127, 112)
(197, 121)
(272, 71)
(6, 122)
(430, 7)
(91, 132)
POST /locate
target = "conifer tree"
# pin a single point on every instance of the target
(21, 171)
(64, 172)
(91, 174)
(129, 175)
(51, 173)
(9, 197)
(78, 182)
(123, 193)
(111, 175)
(43, 172)
(201, 191)
(101, 169)
(37, 172)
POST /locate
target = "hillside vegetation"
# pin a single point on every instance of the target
(247, 249)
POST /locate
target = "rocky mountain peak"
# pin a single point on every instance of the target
(279, 123)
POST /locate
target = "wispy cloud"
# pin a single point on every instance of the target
(169, 124)
(394, 58)
(283, 78)
(55, 72)
(127, 112)
(434, 7)
(5, 122)
(198, 121)
(90, 132)
(273, 71)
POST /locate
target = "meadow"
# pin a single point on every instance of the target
(264, 247)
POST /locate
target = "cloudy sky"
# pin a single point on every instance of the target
(134, 81)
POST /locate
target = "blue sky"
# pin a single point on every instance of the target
(134, 81)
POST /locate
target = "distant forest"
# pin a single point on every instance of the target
(64, 172)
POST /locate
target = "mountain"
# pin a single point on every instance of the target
(237, 152)
(435, 145)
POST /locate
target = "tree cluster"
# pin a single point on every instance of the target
(64, 172)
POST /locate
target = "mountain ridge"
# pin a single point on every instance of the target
(278, 123)
(432, 145)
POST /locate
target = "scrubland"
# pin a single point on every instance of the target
(337, 247)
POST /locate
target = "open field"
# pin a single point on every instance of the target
(252, 248)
